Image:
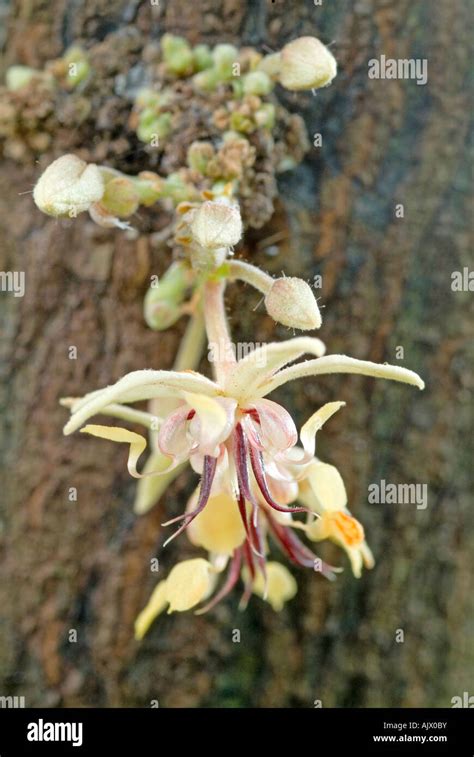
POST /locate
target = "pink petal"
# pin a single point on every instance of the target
(276, 430)
(173, 437)
(207, 430)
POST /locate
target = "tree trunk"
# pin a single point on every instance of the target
(386, 283)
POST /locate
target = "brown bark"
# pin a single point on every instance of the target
(386, 283)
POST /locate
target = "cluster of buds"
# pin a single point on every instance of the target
(68, 72)
(250, 77)
(257, 472)
(70, 186)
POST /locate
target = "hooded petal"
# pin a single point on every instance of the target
(140, 385)
(279, 587)
(323, 488)
(189, 583)
(339, 364)
(173, 437)
(274, 430)
(218, 528)
(155, 605)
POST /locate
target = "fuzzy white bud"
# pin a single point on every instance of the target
(291, 302)
(306, 63)
(69, 186)
(215, 225)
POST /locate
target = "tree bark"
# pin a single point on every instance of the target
(85, 566)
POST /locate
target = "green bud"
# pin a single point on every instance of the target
(178, 190)
(239, 122)
(202, 57)
(19, 76)
(78, 68)
(121, 197)
(148, 98)
(199, 155)
(229, 136)
(163, 302)
(257, 83)
(265, 116)
(150, 187)
(207, 80)
(177, 54)
(152, 125)
(224, 57)
(238, 87)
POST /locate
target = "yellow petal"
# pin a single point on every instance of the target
(115, 434)
(281, 586)
(327, 487)
(188, 583)
(317, 421)
(360, 556)
(155, 605)
(218, 528)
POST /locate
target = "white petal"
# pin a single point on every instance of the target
(140, 385)
(265, 360)
(340, 364)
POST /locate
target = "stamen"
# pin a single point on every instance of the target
(256, 459)
(258, 546)
(298, 552)
(241, 464)
(248, 588)
(208, 473)
(231, 580)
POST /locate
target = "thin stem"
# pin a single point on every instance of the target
(189, 354)
(192, 344)
(217, 328)
(240, 271)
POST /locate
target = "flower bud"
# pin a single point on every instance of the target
(150, 187)
(78, 68)
(199, 155)
(202, 57)
(257, 83)
(216, 225)
(68, 186)
(224, 56)
(17, 77)
(265, 116)
(153, 125)
(291, 302)
(177, 55)
(306, 63)
(121, 197)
